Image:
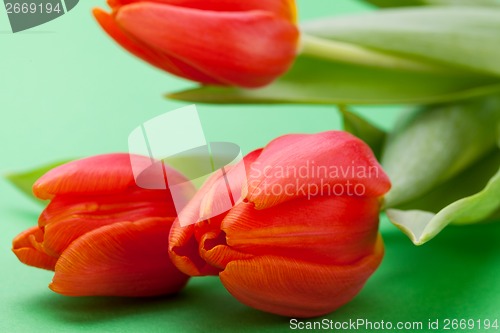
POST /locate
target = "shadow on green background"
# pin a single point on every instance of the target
(454, 276)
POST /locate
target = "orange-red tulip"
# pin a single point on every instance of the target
(101, 234)
(246, 43)
(304, 239)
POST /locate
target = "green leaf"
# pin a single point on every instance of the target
(472, 196)
(430, 146)
(422, 226)
(318, 81)
(399, 56)
(466, 37)
(406, 3)
(24, 180)
(361, 128)
(466, 183)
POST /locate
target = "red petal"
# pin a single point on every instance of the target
(123, 259)
(139, 49)
(102, 174)
(214, 250)
(184, 251)
(68, 222)
(283, 8)
(328, 163)
(295, 288)
(98, 174)
(333, 230)
(214, 192)
(257, 48)
(185, 241)
(27, 249)
(129, 205)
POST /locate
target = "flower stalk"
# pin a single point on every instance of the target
(337, 51)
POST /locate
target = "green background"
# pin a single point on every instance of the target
(66, 90)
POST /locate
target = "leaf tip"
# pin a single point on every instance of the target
(412, 223)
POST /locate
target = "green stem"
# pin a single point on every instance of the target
(337, 51)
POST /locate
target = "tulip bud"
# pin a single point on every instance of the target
(101, 233)
(304, 239)
(242, 43)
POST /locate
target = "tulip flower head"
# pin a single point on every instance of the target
(304, 239)
(101, 234)
(224, 42)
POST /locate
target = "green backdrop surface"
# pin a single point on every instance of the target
(66, 90)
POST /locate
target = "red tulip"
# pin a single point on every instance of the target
(296, 245)
(225, 42)
(101, 234)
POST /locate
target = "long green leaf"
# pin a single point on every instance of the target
(434, 144)
(468, 182)
(24, 180)
(467, 37)
(422, 226)
(464, 42)
(318, 81)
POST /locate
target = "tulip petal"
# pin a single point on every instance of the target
(282, 8)
(214, 192)
(68, 217)
(214, 250)
(96, 175)
(184, 251)
(185, 246)
(129, 205)
(257, 48)
(123, 259)
(110, 173)
(137, 48)
(60, 234)
(295, 288)
(193, 211)
(24, 248)
(328, 163)
(338, 230)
